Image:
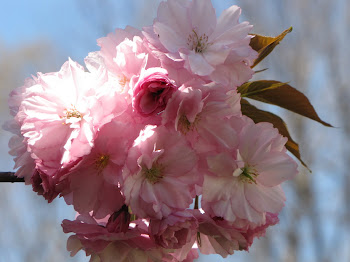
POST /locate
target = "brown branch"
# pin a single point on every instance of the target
(10, 177)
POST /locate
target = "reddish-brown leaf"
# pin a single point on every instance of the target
(258, 116)
(265, 44)
(282, 95)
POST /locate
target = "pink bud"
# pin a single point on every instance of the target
(152, 91)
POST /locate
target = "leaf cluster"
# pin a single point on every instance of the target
(275, 93)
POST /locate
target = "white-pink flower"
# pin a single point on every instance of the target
(124, 56)
(237, 67)
(245, 182)
(93, 184)
(105, 57)
(24, 163)
(160, 173)
(198, 112)
(189, 31)
(62, 113)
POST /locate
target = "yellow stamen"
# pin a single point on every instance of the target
(153, 175)
(101, 162)
(123, 80)
(248, 175)
(72, 112)
(197, 43)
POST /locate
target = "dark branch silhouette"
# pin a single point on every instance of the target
(10, 177)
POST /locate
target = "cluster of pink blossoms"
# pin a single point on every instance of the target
(152, 128)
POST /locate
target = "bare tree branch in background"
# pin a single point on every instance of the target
(9, 177)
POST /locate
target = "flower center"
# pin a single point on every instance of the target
(101, 162)
(123, 80)
(184, 125)
(153, 175)
(196, 42)
(248, 175)
(73, 112)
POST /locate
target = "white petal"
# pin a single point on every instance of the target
(265, 199)
(275, 169)
(203, 17)
(174, 13)
(198, 65)
(241, 205)
(235, 34)
(217, 188)
(227, 19)
(169, 38)
(216, 54)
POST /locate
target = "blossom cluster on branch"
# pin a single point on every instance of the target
(150, 145)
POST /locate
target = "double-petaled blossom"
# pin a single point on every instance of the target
(24, 163)
(93, 237)
(124, 56)
(217, 236)
(152, 91)
(94, 183)
(174, 231)
(62, 113)
(160, 173)
(198, 112)
(189, 32)
(245, 182)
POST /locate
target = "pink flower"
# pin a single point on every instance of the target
(45, 186)
(197, 112)
(250, 232)
(152, 91)
(236, 69)
(218, 237)
(94, 182)
(71, 104)
(119, 221)
(93, 237)
(24, 163)
(105, 57)
(189, 32)
(245, 182)
(160, 174)
(124, 56)
(174, 231)
(184, 254)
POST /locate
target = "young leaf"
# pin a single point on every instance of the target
(280, 94)
(258, 116)
(265, 44)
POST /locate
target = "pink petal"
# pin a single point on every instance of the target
(203, 17)
(198, 64)
(169, 38)
(276, 168)
(265, 199)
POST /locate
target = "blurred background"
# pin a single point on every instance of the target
(39, 36)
